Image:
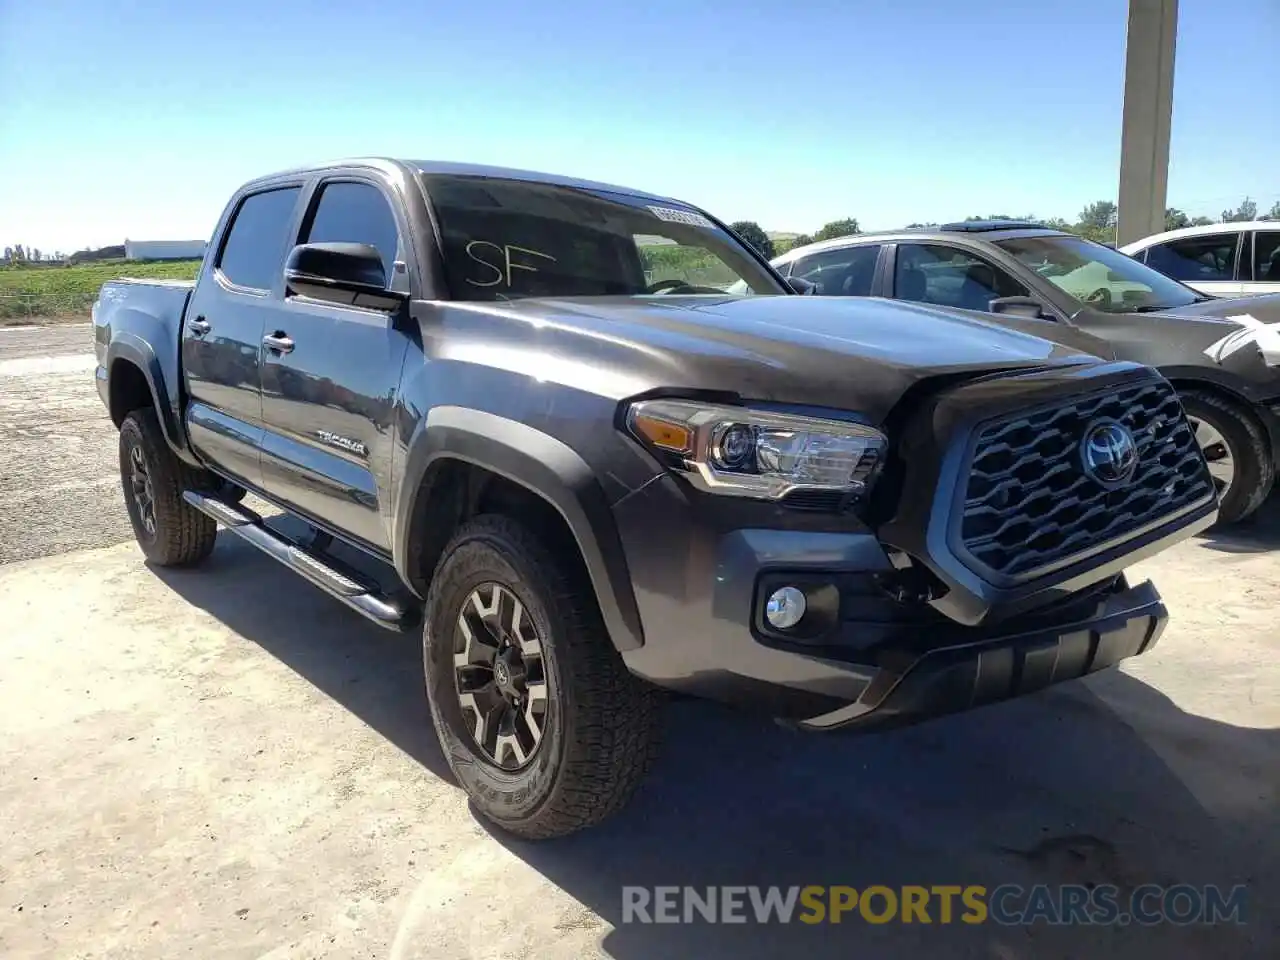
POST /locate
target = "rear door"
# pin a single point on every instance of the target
(1261, 270)
(330, 374)
(222, 331)
(1207, 262)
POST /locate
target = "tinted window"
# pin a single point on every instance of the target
(1266, 256)
(253, 255)
(1197, 258)
(505, 239)
(846, 272)
(355, 213)
(950, 277)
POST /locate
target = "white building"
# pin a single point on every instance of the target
(164, 249)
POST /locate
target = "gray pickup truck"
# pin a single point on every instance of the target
(587, 472)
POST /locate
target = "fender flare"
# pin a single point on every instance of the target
(133, 349)
(547, 468)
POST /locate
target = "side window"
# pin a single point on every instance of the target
(1194, 259)
(843, 272)
(253, 253)
(950, 277)
(349, 212)
(1266, 256)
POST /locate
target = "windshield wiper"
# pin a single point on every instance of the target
(1152, 308)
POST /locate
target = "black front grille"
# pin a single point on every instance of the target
(1029, 504)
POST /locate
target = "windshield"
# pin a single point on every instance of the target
(1103, 278)
(507, 239)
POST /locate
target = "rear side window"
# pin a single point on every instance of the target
(846, 272)
(1266, 256)
(355, 213)
(253, 255)
(1193, 259)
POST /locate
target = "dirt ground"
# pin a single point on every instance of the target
(226, 763)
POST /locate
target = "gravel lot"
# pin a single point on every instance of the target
(227, 763)
(59, 485)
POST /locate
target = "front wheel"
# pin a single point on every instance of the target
(538, 717)
(1236, 449)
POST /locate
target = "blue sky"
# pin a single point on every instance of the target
(139, 118)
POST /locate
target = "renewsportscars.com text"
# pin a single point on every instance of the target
(1008, 904)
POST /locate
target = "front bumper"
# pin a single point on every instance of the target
(884, 661)
(970, 674)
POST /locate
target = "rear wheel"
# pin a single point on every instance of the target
(1237, 452)
(541, 722)
(170, 531)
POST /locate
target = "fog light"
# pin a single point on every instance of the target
(785, 608)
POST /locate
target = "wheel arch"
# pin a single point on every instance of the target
(1225, 392)
(453, 441)
(131, 360)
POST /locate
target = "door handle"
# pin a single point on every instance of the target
(278, 341)
(199, 326)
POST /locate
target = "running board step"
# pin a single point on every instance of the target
(363, 598)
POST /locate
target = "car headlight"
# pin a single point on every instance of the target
(752, 453)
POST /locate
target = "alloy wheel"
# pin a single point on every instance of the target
(500, 676)
(1216, 450)
(143, 493)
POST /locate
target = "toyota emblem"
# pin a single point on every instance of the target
(1109, 453)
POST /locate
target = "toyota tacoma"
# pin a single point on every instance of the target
(585, 473)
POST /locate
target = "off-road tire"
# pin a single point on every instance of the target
(183, 535)
(602, 723)
(1254, 466)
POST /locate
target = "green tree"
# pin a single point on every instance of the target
(751, 232)
(1201, 221)
(838, 228)
(1248, 210)
(1274, 212)
(1175, 219)
(1057, 223)
(1098, 221)
(1100, 215)
(800, 240)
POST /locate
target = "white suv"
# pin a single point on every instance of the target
(1221, 259)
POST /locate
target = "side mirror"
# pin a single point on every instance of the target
(1028, 307)
(801, 286)
(347, 273)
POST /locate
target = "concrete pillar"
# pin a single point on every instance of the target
(1148, 112)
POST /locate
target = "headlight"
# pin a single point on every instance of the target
(751, 453)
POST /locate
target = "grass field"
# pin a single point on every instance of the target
(45, 294)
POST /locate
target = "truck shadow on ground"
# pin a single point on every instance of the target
(1105, 781)
(1259, 533)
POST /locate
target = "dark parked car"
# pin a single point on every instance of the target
(1095, 299)
(588, 472)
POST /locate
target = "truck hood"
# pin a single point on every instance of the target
(856, 353)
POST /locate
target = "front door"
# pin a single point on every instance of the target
(222, 332)
(329, 379)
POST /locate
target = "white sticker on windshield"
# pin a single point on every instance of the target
(672, 215)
